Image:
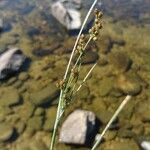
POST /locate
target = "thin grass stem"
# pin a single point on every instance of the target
(122, 105)
(86, 77)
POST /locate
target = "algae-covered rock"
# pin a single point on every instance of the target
(18, 84)
(106, 86)
(26, 110)
(120, 61)
(4, 111)
(44, 96)
(6, 132)
(11, 81)
(142, 110)
(124, 133)
(110, 135)
(9, 97)
(83, 93)
(128, 84)
(20, 127)
(50, 119)
(34, 144)
(39, 111)
(104, 44)
(120, 144)
(23, 76)
(38, 145)
(90, 57)
(35, 123)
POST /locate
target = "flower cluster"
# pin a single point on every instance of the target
(81, 45)
(94, 31)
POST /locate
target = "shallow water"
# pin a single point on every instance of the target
(28, 98)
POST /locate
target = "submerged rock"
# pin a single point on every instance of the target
(23, 76)
(128, 84)
(73, 4)
(120, 144)
(78, 127)
(69, 17)
(44, 96)
(6, 132)
(9, 97)
(35, 123)
(10, 62)
(145, 145)
(90, 57)
(105, 44)
(106, 86)
(50, 119)
(143, 110)
(120, 61)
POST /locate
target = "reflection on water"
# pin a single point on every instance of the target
(28, 98)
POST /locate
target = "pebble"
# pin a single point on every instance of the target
(10, 97)
(145, 145)
(23, 76)
(78, 127)
(35, 123)
(90, 57)
(44, 96)
(128, 85)
(120, 61)
(6, 132)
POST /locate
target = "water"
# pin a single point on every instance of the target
(27, 106)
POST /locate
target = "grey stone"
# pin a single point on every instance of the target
(6, 132)
(67, 16)
(145, 145)
(46, 95)
(78, 127)
(10, 61)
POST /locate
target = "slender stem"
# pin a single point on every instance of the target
(124, 102)
(82, 27)
(86, 77)
(56, 122)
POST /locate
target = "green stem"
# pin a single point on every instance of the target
(57, 121)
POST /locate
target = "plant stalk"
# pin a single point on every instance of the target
(124, 102)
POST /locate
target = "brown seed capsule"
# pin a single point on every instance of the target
(61, 84)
